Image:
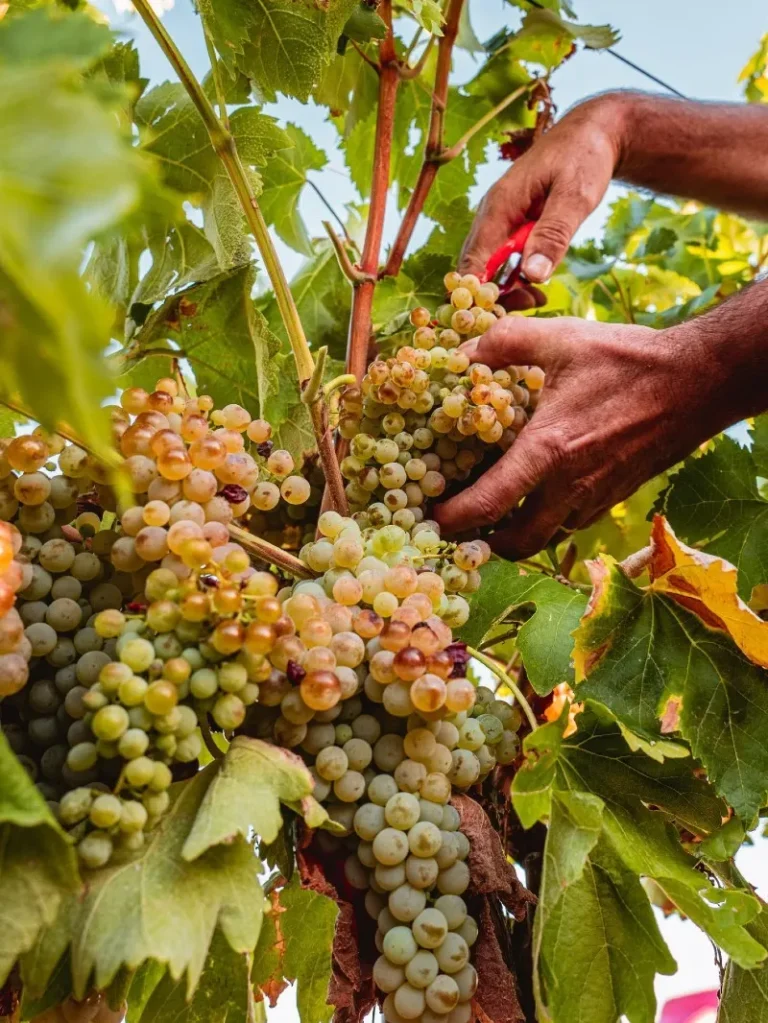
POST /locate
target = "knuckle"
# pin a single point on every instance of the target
(553, 232)
(488, 506)
(582, 491)
(547, 448)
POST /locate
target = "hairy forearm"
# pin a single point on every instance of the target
(712, 152)
(733, 344)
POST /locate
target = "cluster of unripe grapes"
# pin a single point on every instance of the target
(426, 416)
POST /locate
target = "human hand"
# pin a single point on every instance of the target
(558, 183)
(620, 404)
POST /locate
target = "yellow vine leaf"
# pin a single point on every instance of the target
(707, 586)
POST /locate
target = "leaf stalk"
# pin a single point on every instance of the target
(499, 672)
(354, 275)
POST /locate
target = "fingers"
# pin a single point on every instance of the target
(522, 340)
(500, 489)
(502, 209)
(564, 211)
(534, 524)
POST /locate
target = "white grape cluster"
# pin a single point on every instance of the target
(372, 693)
(426, 416)
(390, 791)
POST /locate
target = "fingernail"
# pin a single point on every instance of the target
(469, 347)
(538, 266)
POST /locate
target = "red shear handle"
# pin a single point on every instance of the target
(515, 244)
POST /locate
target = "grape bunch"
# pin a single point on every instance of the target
(371, 690)
(132, 627)
(388, 781)
(426, 416)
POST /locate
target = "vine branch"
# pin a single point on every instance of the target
(265, 551)
(407, 72)
(362, 302)
(499, 672)
(216, 74)
(458, 147)
(434, 142)
(371, 63)
(224, 146)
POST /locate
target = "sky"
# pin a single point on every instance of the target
(697, 46)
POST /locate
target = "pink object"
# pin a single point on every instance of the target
(515, 245)
(698, 1008)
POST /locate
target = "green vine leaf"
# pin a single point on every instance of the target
(283, 45)
(638, 650)
(221, 994)
(251, 782)
(164, 907)
(323, 298)
(223, 336)
(52, 206)
(173, 131)
(283, 182)
(602, 839)
(714, 503)
(545, 639)
(420, 282)
(428, 14)
(285, 954)
(598, 942)
(45, 35)
(744, 994)
(38, 866)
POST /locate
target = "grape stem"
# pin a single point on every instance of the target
(210, 742)
(225, 148)
(345, 380)
(499, 672)
(265, 551)
(350, 271)
(314, 386)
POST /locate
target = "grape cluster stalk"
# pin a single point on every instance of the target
(133, 629)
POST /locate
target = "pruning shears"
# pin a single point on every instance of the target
(504, 265)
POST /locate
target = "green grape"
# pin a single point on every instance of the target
(105, 811)
(137, 653)
(156, 803)
(133, 743)
(82, 757)
(95, 850)
(74, 806)
(228, 712)
(139, 772)
(110, 723)
(133, 816)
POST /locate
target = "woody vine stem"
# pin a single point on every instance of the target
(224, 146)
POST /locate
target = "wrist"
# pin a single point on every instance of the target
(729, 365)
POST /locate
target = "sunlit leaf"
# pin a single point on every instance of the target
(545, 638)
(246, 793)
